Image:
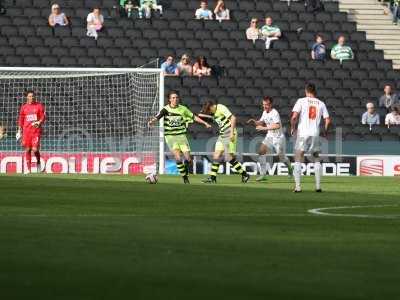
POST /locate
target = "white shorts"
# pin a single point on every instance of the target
(275, 144)
(308, 144)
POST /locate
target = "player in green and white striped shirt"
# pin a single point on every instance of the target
(270, 32)
(340, 51)
(176, 118)
(227, 140)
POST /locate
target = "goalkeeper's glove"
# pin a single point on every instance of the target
(36, 124)
(18, 135)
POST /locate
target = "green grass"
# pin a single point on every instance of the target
(97, 237)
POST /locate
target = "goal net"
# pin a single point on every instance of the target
(96, 119)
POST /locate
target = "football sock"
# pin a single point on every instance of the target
(187, 166)
(237, 166)
(297, 174)
(214, 169)
(37, 155)
(263, 164)
(181, 168)
(28, 158)
(317, 170)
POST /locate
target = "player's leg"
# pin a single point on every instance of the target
(262, 159)
(300, 148)
(218, 152)
(27, 144)
(315, 151)
(280, 148)
(36, 151)
(174, 145)
(235, 165)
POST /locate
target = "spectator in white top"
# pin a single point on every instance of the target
(95, 22)
(270, 32)
(203, 13)
(221, 12)
(57, 18)
(393, 118)
(253, 32)
(184, 66)
(146, 6)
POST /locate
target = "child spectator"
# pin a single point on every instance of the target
(221, 12)
(340, 51)
(56, 17)
(184, 66)
(253, 33)
(146, 6)
(270, 32)
(95, 21)
(201, 67)
(318, 51)
(203, 13)
(169, 67)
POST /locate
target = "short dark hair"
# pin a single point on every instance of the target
(268, 98)
(27, 92)
(319, 35)
(172, 92)
(310, 88)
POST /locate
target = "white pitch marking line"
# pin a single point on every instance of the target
(320, 211)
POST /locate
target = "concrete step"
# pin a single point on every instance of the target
(388, 27)
(382, 32)
(361, 17)
(358, 1)
(382, 37)
(392, 57)
(375, 22)
(361, 6)
(387, 46)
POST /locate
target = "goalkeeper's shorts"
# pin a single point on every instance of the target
(224, 144)
(177, 142)
(31, 139)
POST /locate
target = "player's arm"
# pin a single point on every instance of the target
(255, 122)
(201, 121)
(268, 127)
(293, 122)
(156, 118)
(204, 116)
(233, 126)
(42, 118)
(327, 119)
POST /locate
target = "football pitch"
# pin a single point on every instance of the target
(115, 237)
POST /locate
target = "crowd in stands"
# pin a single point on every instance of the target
(184, 67)
(390, 102)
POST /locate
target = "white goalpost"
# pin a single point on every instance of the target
(96, 119)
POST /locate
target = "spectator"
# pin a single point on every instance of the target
(253, 33)
(314, 5)
(146, 6)
(95, 22)
(201, 67)
(388, 98)
(318, 51)
(370, 117)
(221, 12)
(169, 67)
(203, 13)
(395, 10)
(57, 18)
(340, 51)
(270, 32)
(393, 118)
(184, 66)
(127, 7)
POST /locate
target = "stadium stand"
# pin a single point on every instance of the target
(246, 71)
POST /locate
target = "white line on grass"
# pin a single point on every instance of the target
(321, 211)
(152, 216)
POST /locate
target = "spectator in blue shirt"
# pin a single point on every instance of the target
(169, 67)
(370, 117)
(318, 51)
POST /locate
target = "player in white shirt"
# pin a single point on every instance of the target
(307, 112)
(270, 122)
